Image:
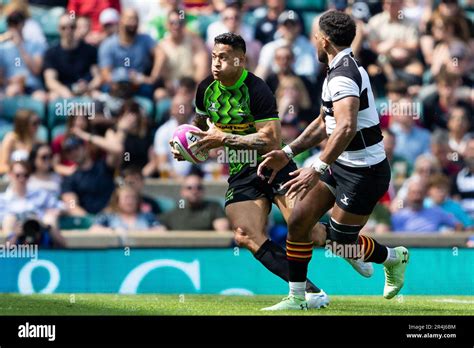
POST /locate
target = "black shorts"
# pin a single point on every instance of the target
(246, 185)
(357, 190)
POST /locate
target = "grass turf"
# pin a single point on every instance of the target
(110, 304)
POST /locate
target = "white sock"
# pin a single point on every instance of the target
(392, 257)
(298, 288)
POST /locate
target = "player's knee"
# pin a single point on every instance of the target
(341, 233)
(298, 226)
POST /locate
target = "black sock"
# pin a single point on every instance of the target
(373, 251)
(298, 255)
(273, 257)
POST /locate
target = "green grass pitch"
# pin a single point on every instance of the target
(110, 304)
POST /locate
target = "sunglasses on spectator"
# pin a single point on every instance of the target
(177, 22)
(21, 175)
(195, 187)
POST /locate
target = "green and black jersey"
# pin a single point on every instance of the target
(236, 109)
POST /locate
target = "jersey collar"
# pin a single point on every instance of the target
(339, 56)
(239, 82)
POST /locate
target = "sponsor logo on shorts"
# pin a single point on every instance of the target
(229, 195)
(345, 199)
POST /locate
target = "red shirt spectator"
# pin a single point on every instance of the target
(92, 9)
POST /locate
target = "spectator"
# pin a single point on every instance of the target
(438, 196)
(167, 166)
(231, 21)
(83, 30)
(32, 30)
(133, 177)
(70, 67)
(401, 168)
(435, 32)
(195, 213)
(293, 100)
(284, 59)
(458, 126)
(411, 140)
(388, 30)
(155, 22)
(21, 61)
(182, 55)
(289, 26)
(266, 27)
(109, 20)
(416, 218)
(19, 204)
(62, 164)
(437, 106)
(133, 51)
(395, 91)
(463, 185)
(124, 213)
(425, 166)
(89, 188)
(17, 144)
(42, 175)
(121, 90)
(441, 150)
(92, 10)
(379, 221)
(400, 64)
(452, 42)
(130, 138)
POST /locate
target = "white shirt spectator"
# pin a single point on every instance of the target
(305, 57)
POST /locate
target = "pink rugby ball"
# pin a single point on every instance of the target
(183, 138)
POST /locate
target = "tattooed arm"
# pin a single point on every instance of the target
(267, 138)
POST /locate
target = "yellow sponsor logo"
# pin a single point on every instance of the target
(235, 127)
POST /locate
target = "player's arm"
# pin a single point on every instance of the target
(277, 159)
(266, 138)
(345, 113)
(310, 137)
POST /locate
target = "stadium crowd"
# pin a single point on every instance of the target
(91, 91)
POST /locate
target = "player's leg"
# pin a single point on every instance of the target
(248, 220)
(315, 297)
(357, 193)
(299, 245)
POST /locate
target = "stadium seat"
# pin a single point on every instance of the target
(3, 25)
(49, 23)
(308, 18)
(55, 119)
(470, 15)
(312, 5)
(203, 23)
(4, 129)
(75, 222)
(161, 108)
(43, 133)
(146, 104)
(58, 130)
(9, 106)
(166, 204)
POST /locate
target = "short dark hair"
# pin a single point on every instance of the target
(233, 40)
(339, 26)
(132, 170)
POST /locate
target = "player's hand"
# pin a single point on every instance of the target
(210, 139)
(305, 180)
(274, 160)
(176, 155)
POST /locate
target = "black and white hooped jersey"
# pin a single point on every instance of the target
(346, 78)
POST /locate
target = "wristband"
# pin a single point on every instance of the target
(288, 151)
(320, 166)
